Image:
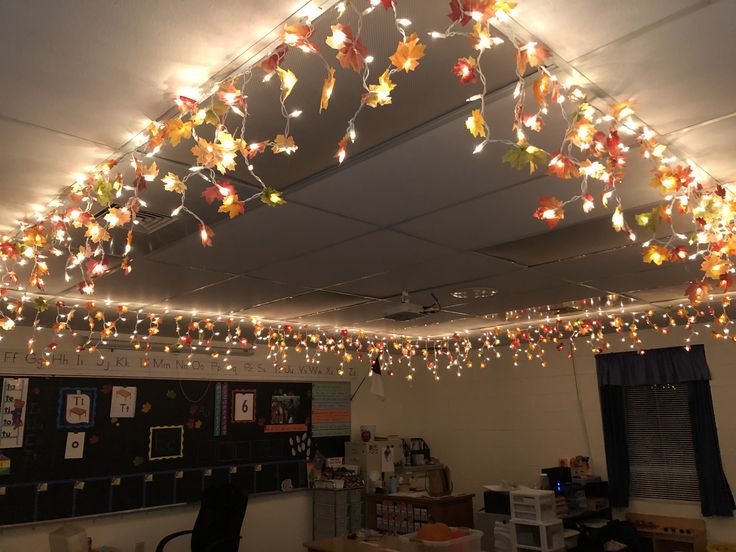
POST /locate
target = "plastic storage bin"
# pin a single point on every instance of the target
(533, 505)
(470, 542)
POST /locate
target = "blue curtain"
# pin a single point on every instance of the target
(617, 452)
(715, 494)
(674, 365)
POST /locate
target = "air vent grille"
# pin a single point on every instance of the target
(146, 222)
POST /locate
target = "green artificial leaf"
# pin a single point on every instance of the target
(104, 191)
(272, 197)
(521, 155)
(42, 305)
(649, 220)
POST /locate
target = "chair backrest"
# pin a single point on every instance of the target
(220, 519)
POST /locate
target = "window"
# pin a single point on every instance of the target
(660, 442)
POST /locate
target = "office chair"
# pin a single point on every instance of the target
(218, 524)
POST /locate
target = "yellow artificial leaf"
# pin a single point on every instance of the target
(617, 220)
(272, 197)
(656, 254)
(176, 130)
(380, 94)
(232, 205)
(288, 80)
(408, 53)
(327, 88)
(173, 184)
(117, 217)
(715, 266)
(476, 124)
(284, 144)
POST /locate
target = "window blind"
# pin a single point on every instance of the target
(659, 438)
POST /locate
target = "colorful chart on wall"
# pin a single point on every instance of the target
(79, 446)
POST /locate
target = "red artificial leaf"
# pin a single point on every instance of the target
(550, 210)
(388, 4)
(273, 60)
(218, 191)
(211, 194)
(562, 166)
(696, 291)
(464, 69)
(205, 235)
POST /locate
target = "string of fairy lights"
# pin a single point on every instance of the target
(519, 336)
(594, 149)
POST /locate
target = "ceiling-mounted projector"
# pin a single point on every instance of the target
(405, 311)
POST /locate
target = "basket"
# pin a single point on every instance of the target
(470, 542)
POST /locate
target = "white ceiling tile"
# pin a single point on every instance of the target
(234, 295)
(711, 147)
(100, 70)
(445, 270)
(37, 164)
(426, 171)
(303, 305)
(672, 71)
(553, 22)
(633, 282)
(507, 215)
(150, 282)
(363, 256)
(263, 236)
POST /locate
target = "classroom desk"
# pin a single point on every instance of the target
(385, 543)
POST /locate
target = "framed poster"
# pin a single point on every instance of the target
(244, 406)
(165, 442)
(76, 407)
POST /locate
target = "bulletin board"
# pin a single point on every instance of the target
(83, 446)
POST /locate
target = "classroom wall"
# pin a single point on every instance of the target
(498, 423)
(278, 523)
(506, 422)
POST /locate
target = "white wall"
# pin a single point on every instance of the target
(273, 523)
(501, 422)
(506, 423)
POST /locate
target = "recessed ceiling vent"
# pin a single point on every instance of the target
(146, 222)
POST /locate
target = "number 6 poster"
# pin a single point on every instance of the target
(244, 406)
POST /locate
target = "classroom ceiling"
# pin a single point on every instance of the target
(413, 209)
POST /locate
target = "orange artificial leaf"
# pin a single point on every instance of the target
(327, 88)
(96, 233)
(380, 94)
(342, 148)
(298, 34)
(205, 235)
(350, 50)
(408, 53)
(284, 144)
(656, 254)
(117, 217)
(562, 166)
(550, 210)
(476, 124)
(581, 133)
(232, 205)
(531, 54)
(481, 37)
